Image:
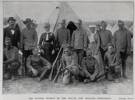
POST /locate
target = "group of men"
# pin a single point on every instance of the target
(76, 59)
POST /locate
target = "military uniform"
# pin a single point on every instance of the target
(122, 42)
(47, 43)
(62, 36)
(79, 42)
(113, 65)
(38, 63)
(105, 38)
(11, 62)
(90, 68)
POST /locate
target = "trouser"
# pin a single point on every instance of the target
(80, 54)
(26, 53)
(11, 69)
(84, 74)
(123, 57)
(102, 53)
(40, 70)
(48, 52)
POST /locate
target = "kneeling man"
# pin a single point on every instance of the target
(11, 63)
(70, 64)
(90, 67)
(37, 65)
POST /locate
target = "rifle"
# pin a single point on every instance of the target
(60, 71)
(51, 73)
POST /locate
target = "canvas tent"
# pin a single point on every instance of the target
(63, 11)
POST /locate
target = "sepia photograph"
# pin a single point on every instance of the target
(68, 47)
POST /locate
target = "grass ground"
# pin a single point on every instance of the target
(29, 85)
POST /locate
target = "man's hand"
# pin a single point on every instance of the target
(35, 72)
(92, 77)
(53, 51)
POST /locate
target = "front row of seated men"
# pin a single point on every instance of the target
(38, 66)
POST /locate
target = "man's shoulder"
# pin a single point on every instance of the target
(108, 31)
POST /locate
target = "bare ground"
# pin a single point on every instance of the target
(31, 85)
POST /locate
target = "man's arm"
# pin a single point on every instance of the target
(110, 36)
(68, 37)
(35, 38)
(98, 43)
(114, 40)
(85, 39)
(128, 42)
(73, 39)
(41, 40)
(46, 62)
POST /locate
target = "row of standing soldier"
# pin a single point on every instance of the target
(98, 43)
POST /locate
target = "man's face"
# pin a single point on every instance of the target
(36, 52)
(29, 26)
(79, 24)
(98, 27)
(110, 49)
(47, 28)
(89, 53)
(67, 51)
(121, 25)
(92, 29)
(63, 24)
(11, 23)
(103, 26)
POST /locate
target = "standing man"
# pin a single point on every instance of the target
(122, 42)
(63, 34)
(105, 38)
(13, 32)
(46, 43)
(29, 38)
(79, 41)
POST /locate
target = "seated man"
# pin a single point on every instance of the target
(37, 65)
(70, 64)
(112, 64)
(90, 67)
(11, 63)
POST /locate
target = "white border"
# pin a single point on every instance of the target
(43, 96)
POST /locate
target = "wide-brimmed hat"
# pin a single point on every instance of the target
(103, 23)
(28, 21)
(11, 19)
(120, 22)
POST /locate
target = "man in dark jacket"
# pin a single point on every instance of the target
(63, 34)
(105, 38)
(13, 32)
(47, 43)
(122, 42)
